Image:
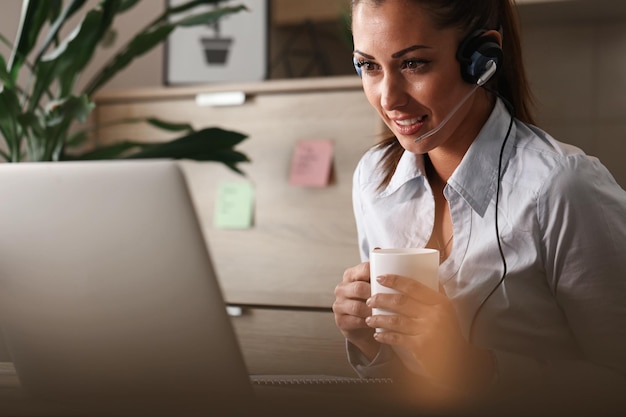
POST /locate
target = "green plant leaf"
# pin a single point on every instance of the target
(201, 142)
(127, 5)
(207, 140)
(113, 151)
(59, 116)
(208, 17)
(54, 10)
(169, 126)
(76, 139)
(5, 77)
(5, 41)
(229, 157)
(32, 19)
(138, 46)
(66, 62)
(34, 123)
(72, 107)
(60, 18)
(210, 144)
(9, 126)
(192, 5)
(34, 129)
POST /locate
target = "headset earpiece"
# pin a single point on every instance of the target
(475, 54)
(357, 67)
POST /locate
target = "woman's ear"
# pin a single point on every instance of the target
(496, 35)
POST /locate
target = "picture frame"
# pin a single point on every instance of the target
(234, 49)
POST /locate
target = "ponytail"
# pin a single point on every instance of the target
(513, 84)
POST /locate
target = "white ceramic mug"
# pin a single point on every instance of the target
(419, 264)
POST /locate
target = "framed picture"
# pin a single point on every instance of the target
(233, 49)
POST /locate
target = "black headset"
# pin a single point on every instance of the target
(474, 54)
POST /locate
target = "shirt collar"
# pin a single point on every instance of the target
(409, 167)
(475, 179)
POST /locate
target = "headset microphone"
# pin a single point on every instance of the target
(491, 69)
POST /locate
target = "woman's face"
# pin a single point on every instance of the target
(411, 74)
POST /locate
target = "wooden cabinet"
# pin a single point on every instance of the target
(282, 271)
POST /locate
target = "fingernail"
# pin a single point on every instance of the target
(368, 302)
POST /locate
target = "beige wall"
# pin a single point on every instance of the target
(575, 58)
(577, 69)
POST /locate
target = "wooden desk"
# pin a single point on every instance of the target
(345, 401)
(275, 401)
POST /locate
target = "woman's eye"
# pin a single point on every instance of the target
(367, 66)
(415, 64)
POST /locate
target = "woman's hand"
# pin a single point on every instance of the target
(425, 323)
(351, 311)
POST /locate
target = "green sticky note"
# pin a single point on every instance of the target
(234, 206)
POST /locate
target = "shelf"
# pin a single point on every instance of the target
(299, 85)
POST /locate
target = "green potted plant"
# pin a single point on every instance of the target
(42, 115)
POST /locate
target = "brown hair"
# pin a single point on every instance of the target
(468, 16)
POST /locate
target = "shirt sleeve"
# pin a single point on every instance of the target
(581, 212)
(357, 207)
(386, 364)
(382, 366)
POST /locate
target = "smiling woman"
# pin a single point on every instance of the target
(532, 277)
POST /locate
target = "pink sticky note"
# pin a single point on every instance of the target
(312, 163)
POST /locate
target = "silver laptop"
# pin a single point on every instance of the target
(107, 292)
(109, 303)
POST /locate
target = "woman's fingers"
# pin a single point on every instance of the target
(411, 288)
(351, 307)
(396, 323)
(358, 290)
(360, 272)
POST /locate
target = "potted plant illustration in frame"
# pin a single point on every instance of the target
(232, 50)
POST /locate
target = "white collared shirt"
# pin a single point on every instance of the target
(561, 309)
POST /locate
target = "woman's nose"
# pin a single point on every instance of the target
(393, 92)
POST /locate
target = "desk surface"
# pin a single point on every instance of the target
(339, 401)
(275, 401)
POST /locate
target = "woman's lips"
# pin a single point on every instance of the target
(409, 126)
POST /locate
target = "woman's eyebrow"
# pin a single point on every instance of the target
(409, 49)
(363, 54)
(395, 55)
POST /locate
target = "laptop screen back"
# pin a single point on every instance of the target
(106, 287)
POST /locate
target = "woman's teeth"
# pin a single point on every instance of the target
(410, 122)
